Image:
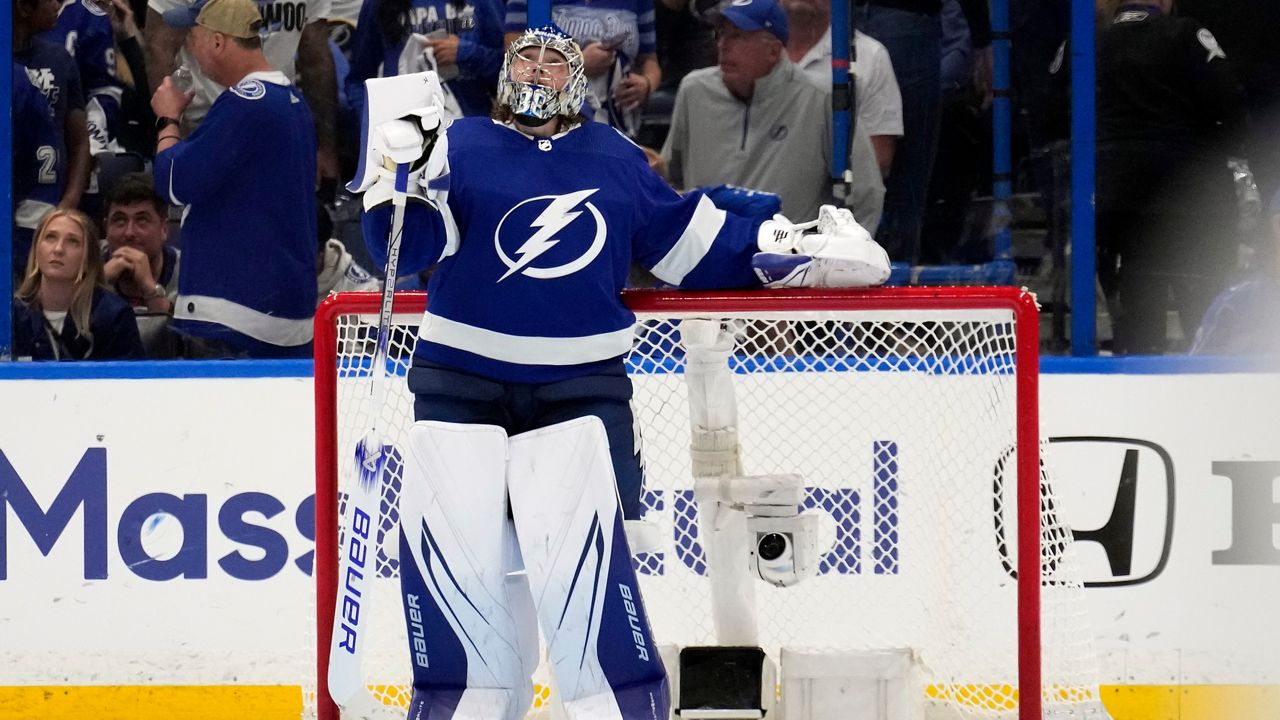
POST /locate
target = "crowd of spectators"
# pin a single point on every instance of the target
(217, 133)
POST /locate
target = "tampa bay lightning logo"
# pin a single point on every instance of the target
(535, 227)
(250, 89)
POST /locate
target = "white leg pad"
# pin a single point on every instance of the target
(569, 522)
(453, 514)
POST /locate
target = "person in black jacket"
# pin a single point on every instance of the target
(63, 311)
(1168, 112)
(911, 30)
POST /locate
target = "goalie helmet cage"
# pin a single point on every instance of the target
(905, 409)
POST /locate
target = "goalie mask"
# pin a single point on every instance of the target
(542, 76)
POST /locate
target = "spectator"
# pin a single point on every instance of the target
(37, 170)
(618, 46)
(291, 28)
(336, 270)
(141, 266)
(911, 30)
(879, 101)
(62, 311)
(754, 122)
(460, 39)
(84, 30)
(247, 176)
(1245, 319)
(53, 71)
(1168, 111)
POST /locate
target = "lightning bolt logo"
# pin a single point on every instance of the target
(554, 218)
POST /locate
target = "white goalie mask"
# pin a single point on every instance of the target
(530, 73)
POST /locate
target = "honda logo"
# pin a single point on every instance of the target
(1119, 500)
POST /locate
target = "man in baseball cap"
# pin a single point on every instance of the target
(236, 18)
(247, 176)
(785, 148)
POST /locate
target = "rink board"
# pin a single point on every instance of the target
(103, 617)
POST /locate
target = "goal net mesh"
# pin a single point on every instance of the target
(902, 419)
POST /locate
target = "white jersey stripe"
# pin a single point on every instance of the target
(525, 349)
(286, 332)
(693, 244)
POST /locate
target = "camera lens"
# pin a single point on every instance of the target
(771, 546)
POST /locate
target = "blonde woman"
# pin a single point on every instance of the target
(62, 309)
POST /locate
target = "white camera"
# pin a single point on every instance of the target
(784, 550)
(782, 543)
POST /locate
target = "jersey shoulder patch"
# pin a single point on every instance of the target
(250, 89)
(357, 275)
(93, 8)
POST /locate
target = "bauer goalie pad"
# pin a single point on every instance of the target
(569, 522)
(472, 657)
(403, 114)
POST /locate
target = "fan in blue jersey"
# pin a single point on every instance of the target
(37, 170)
(54, 73)
(247, 176)
(461, 39)
(532, 219)
(84, 29)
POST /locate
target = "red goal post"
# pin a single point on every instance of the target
(944, 335)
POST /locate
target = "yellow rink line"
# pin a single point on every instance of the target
(284, 702)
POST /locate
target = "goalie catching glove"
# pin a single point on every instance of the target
(404, 123)
(838, 253)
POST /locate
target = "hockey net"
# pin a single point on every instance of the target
(912, 415)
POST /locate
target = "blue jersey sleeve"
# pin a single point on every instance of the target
(421, 243)
(687, 241)
(193, 169)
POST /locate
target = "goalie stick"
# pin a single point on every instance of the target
(360, 519)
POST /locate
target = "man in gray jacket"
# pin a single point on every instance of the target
(757, 121)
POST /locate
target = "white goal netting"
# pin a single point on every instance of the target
(900, 408)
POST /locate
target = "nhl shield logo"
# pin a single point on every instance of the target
(544, 145)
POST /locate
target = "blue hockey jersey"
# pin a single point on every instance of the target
(535, 238)
(85, 32)
(39, 169)
(247, 175)
(478, 25)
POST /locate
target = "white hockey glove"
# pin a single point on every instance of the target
(404, 117)
(406, 142)
(839, 253)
